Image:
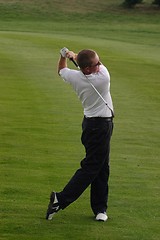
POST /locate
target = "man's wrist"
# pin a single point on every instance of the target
(62, 57)
(75, 56)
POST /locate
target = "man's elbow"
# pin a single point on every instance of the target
(59, 69)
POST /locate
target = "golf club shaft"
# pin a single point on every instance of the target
(74, 62)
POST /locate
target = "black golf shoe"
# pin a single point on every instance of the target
(53, 206)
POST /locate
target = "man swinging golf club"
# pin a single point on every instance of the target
(91, 82)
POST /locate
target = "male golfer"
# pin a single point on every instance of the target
(97, 129)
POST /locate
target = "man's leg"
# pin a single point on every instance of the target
(99, 187)
(99, 191)
(93, 137)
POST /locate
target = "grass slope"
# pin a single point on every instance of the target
(40, 125)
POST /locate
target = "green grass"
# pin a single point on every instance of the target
(40, 121)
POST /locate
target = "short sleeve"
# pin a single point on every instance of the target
(68, 75)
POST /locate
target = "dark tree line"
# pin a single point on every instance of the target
(132, 3)
(156, 2)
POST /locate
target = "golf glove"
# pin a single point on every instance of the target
(64, 51)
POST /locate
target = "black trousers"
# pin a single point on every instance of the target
(94, 168)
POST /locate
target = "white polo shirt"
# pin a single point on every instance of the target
(92, 103)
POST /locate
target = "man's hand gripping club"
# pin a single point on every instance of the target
(66, 53)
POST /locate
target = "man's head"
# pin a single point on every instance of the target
(88, 61)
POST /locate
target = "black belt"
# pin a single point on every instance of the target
(108, 119)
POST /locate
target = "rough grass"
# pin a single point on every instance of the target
(40, 126)
(51, 9)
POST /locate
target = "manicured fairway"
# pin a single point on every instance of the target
(40, 127)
